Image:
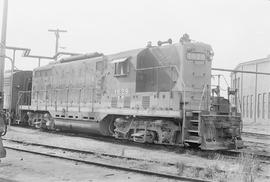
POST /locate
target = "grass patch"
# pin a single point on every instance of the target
(249, 167)
(180, 166)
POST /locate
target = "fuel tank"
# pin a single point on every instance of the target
(78, 126)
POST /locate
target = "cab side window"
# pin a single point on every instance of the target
(121, 67)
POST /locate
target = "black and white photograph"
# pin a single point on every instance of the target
(135, 91)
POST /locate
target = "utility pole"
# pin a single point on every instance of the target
(2, 68)
(3, 51)
(57, 36)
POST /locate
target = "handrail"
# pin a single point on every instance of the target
(77, 88)
(25, 91)
(184, 111)
(20, 96)
(155, 67)
(240, 104)
(18, 103)
(204, 88)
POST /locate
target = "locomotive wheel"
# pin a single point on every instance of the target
(37, 123)
(106, 126)
(151, 136)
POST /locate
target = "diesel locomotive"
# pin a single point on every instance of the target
(157, 94)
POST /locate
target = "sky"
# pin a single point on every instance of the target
(238, 30)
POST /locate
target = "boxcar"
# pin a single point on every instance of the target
(22, 82)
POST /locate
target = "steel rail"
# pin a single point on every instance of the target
(256, 143)
(110, 166)
(84, 151)
(255, 134)
(263, 158)
(197, 152)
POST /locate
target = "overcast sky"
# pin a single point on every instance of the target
(238, 30)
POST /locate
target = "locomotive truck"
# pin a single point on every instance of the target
(157, 94)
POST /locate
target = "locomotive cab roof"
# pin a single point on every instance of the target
(165, 49)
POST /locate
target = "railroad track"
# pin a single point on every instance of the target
(92, 158)
(265, 158)
(261, 135)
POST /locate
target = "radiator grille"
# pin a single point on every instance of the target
(114, 102)
(146, 102)
(126, 102)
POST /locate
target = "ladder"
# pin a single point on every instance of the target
(192, 128)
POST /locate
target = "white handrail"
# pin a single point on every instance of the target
(184, 111)
(204, 88)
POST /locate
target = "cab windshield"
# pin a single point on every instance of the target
(154, 74)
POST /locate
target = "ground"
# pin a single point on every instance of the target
(24, 167)
(39, 168)
(257, 127)
(89, 144)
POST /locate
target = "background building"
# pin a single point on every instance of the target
(253, 90)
